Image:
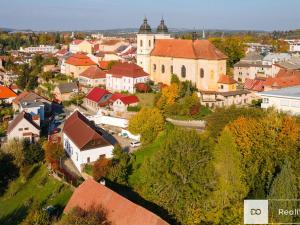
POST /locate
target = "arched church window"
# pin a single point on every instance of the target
(163, 69)
(154, 67)
(201, 72)
(141, 43)
(183, 71)
(149, 43)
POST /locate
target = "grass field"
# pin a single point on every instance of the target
(40, 189)
(146, 99)
(143, 154)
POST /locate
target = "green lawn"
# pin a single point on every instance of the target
(204, 111)
(40, 189)
(142, 154)
(146, 99)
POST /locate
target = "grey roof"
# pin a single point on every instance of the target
(292, 64)
(293, 92)
(277, 57)
(31, 104)
(252, 56)
(251, 64)
(67, 87)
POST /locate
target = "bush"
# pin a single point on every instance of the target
(134, 108)
(100, 168)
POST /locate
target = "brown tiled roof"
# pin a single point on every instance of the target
(28, 96)
(225, 79)
(127, 69)
(82, 133)
(17, 120)
(93, 72)
(110, 42)
(120, 211)
(188, 49)
(80, 59)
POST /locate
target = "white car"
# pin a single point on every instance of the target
(135, 144)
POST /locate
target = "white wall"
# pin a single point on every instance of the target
(285, 104)
(22, 127)
(79, 158)
(124, 83)
(109, 120)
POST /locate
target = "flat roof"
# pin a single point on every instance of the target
(293, 92)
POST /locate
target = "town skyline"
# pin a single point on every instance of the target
(103, 15)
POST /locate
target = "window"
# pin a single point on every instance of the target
(265, 100)
(171, 69)
(76, 156)
(141, 43)
(201, 72)
(183, 71)
(163, 69)
(20, 129)
(154, 67)
(222, 86)
(26, 128)
(88, 159)
(149, 43)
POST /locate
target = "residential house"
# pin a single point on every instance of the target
(6, 94)
(291, 64)
(285, 99)
(226, 95)
(64, 91)
(32, 103)
(96, 98)
(85, 46)
(93, 77)
(24, 126)
(119, 210)
(294, 45)
(40, 48)
(121, 102)
(251, 66)
(83, 142)
(124, 77)
(76, 64)
(198, 61)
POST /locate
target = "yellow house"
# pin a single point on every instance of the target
(86, 46)
(77, 63)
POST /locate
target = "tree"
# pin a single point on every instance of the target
(15, 148)
(284, 187)
(121, 166)
(230, 188)
(33, 152)
(148, 122)
(169, 96)
(53, 151)
(94, 215)
(179, 176)
(8, 171)
(101, 168)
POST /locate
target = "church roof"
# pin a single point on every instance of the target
(188, 49)
(145, 28)
(162, 28)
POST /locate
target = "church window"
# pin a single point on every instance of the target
(149, 43)
(163, 69)
(172, 70)
(154, 67)
(183, 72)
(141, 43)
(201, 72)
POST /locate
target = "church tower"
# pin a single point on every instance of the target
(145, 44)
(162, 31)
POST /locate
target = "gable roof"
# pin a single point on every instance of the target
(80, 59)
(82, 133)
(284, 78)
(188, 49)
(104, 64)
(93, 72)
(19, 118)
(96, 94)
(127, 100)
(254, 84)
(127, 70)
(120, 211)
(225, 79)
(5, 92)
(28, 96)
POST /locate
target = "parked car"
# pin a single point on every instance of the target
(135, 144)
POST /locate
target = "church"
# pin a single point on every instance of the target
(196, 60)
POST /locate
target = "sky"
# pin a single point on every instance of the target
(110, 14)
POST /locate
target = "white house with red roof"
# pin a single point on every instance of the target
(93, 77)
(121, 103)
(83, 142)
(124, 77)
(96, 98)
(6, 94)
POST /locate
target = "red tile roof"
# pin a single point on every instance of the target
(93, 72)
(225, 79)
(77, 42)
(254, 84)
(127, 70)
(96, 94)
(104, 64)
(120, 211)
(110, 42)
(5, 92)
(285, 78)
(80, 59)
(82, 133)
(127, 100)
(188, 49)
